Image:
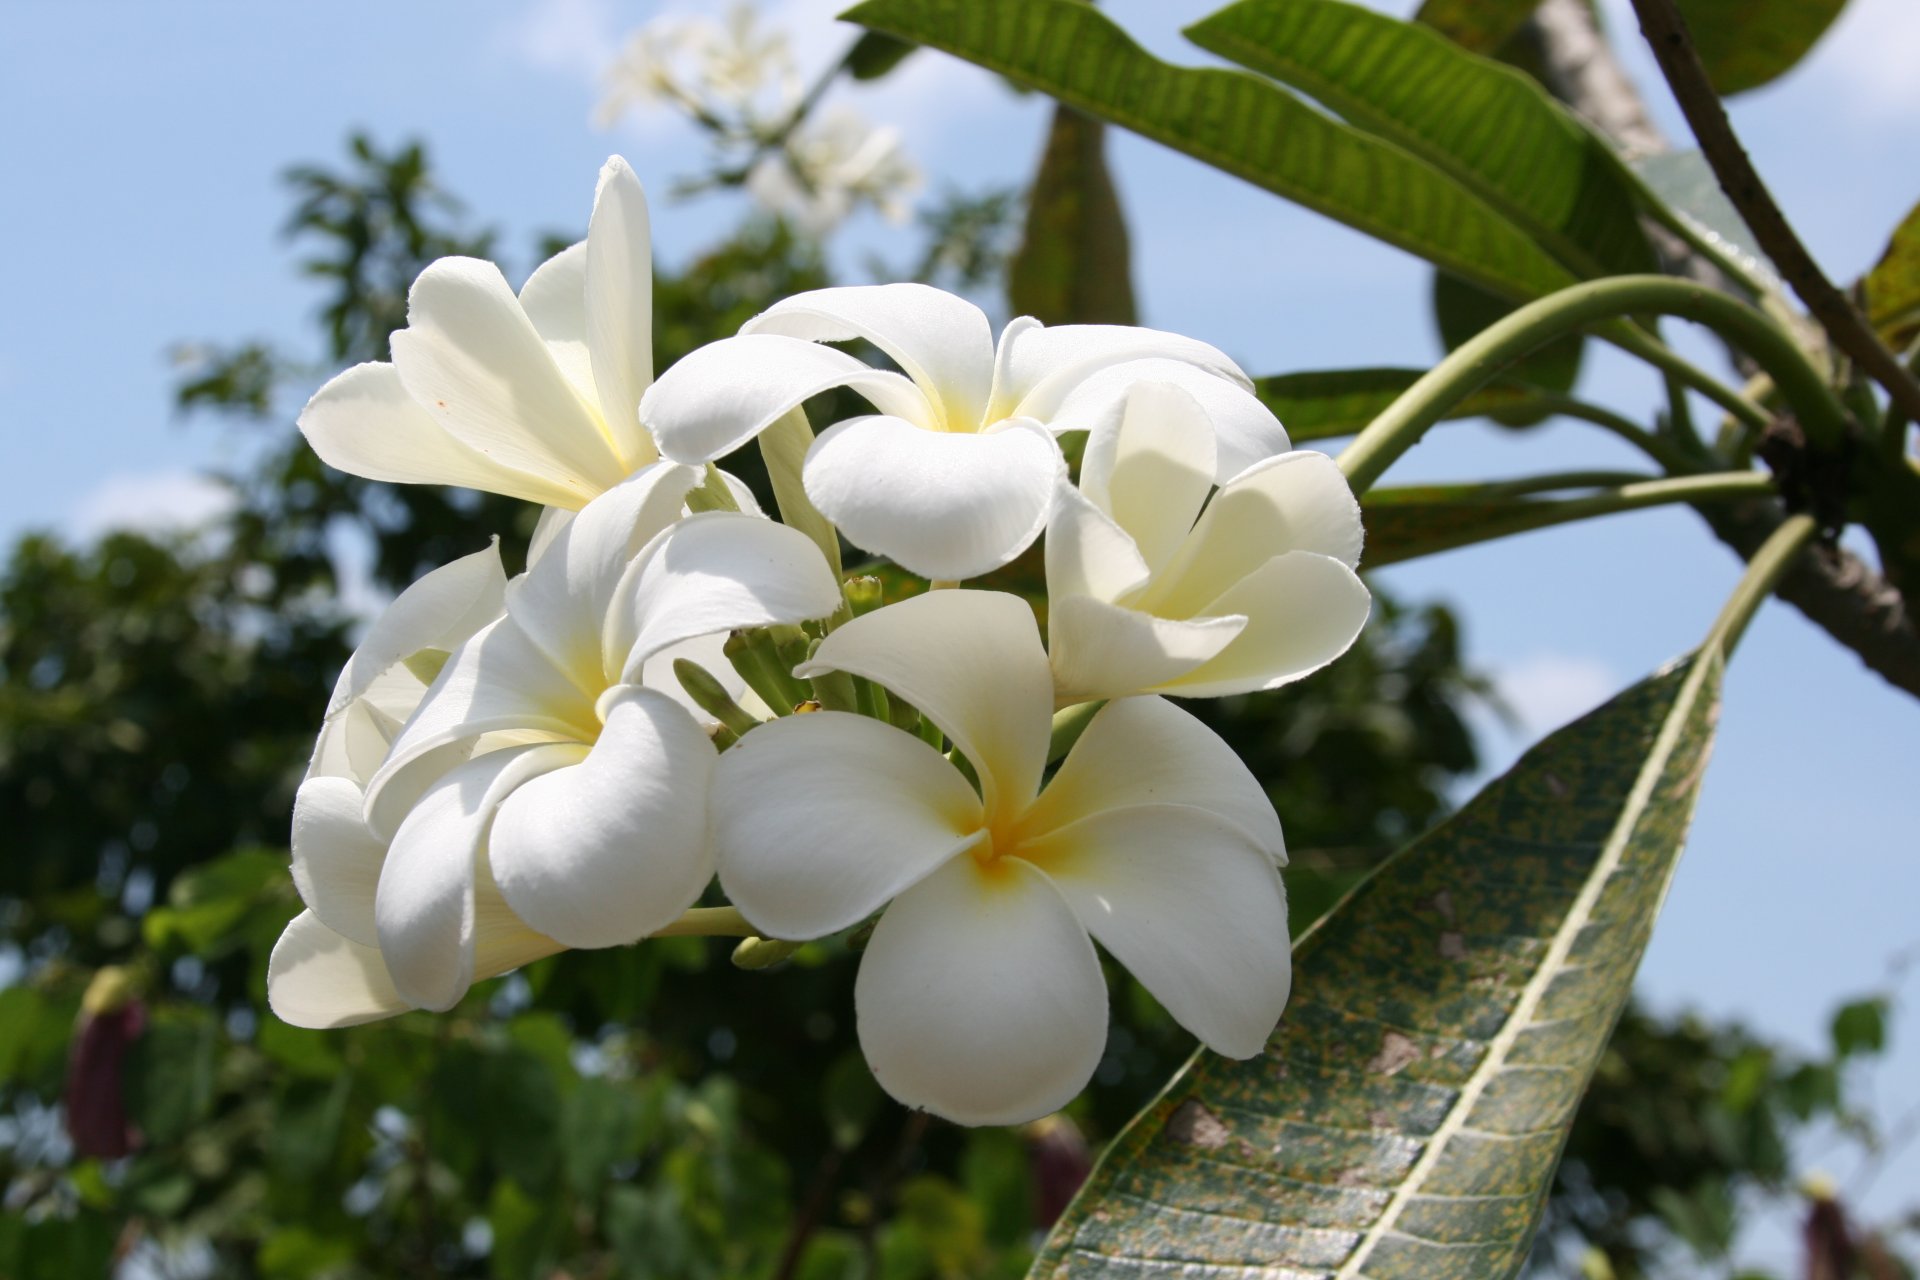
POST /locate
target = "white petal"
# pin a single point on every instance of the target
(1146, 751)
(724, 394)
(555, 300)
(1087, 553)
(941, 340)
(1152, 468)
(1038, 366)
(499, 680)
(614, 847)
(1245, 430)
(940, 504)
(336, 860)
(470, 357)
(1101, 650)
(980, 997)
(318, 979)
(1295, 502)
(363, 422)
(563, 601)
(619, 306)
(552, 520)
(439, 611)
(820, 820)
(425, 907)
(1303, 611)
(1191, 907)
(971, 661)
(716, 572)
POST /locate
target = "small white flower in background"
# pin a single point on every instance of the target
(1149, 593)
(955, 474)
(980, 996)
(532, 396)
(830, 166)
(327, 970)
(547, 792)
(738, 68)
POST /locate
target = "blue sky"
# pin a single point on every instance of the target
(141, 204)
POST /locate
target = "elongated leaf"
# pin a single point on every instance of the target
(1406, 523)
(1488, 126)
(1479, 25)
(1405, 1120)
(1074, 265)
(1236, 122)
(1746, 43)
(1323, 404)
(1893, 286)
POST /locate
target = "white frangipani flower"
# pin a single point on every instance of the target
(327, 970)
(1147, 592)
(532, 396)
(954, 475)
(980, 997)
(829, 166)
(546, 792)
(705, 68)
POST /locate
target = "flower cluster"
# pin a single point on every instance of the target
(680, 688)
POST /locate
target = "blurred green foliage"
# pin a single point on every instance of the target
(644, 1112)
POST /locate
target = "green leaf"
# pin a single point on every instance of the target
(1746, 43)
(1325, 403)
(1407, 1116)
(1487, 126)
(1860, 1026)
(1479, 25)
(1074, 265)
(873, 55)
(207, 905)
(1892, 288)
(1235, 122)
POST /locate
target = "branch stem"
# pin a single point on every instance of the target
(1672, 44)
(1599, 302)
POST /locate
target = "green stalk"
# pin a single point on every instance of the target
(708, 922)
(784, 447)
(1068, 724)
(1524, 517)
(1764, 572)
(1603, 303)
(712, 493)
(712, 697)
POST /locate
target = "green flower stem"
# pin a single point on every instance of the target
(1524, 516)
(1764, 572)
(709, 922)
(1637, 341)
(1557, 480)
(754, 657)
(1662, 451)
(784, 447)
(1600, 303)
(834, 691)
(1068, 725)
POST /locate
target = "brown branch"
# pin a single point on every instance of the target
(1835, 590)
(1666, 33)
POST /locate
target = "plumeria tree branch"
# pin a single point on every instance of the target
(1476, 362)
(1673, 47)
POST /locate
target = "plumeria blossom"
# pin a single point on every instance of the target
(1148, 592)
(829, 167)
(327, 970)
(546, 792)
(980, 996)
(954, 475)
(533, 396)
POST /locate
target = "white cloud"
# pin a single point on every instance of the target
(149, 502)
(574, 37)
(1547, 690)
